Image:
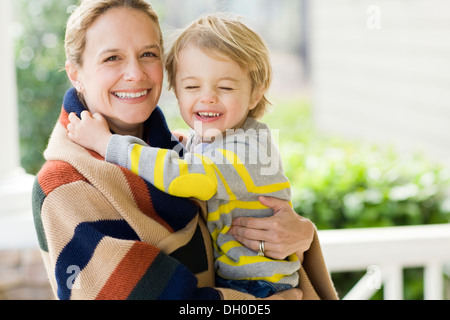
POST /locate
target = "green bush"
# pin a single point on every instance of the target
(342, 184)
(39, 31)
(339, 184)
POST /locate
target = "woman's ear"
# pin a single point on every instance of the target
(73, 75)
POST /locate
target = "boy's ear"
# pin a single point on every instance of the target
(256, 98)
(73, 75)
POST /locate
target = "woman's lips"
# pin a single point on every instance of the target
(134, 96)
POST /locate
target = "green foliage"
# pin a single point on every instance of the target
(342, 184)
(39, 28)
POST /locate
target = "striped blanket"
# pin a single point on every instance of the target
(105, 233)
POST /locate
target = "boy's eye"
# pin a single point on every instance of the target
(226, 88)
(192, 87)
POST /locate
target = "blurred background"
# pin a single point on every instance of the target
(361, 106)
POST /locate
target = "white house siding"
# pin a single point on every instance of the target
(386, 82)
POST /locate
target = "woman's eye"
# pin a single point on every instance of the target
(112, 58)
(150, 55)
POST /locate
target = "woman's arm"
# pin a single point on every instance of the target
(284, 233)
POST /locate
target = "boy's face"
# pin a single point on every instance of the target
(214, 93)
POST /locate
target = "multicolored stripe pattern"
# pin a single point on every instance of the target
(92, 252)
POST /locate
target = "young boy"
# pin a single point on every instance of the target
(220, 72)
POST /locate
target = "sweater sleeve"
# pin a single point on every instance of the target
(164, 168)
(237, 166)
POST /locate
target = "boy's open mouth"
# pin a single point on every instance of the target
(208, 115)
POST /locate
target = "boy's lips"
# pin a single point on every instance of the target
(208, 116)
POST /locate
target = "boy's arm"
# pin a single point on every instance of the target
(91, 131)
(194, 176)
(199, 176)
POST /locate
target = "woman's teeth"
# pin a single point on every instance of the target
(130, 95)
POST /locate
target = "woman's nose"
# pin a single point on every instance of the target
(134, 71)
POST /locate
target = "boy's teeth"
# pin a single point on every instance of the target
(124, 95)
(208, 114)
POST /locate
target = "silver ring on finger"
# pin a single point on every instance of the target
(262, 248)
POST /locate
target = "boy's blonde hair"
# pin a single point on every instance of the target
(85, 15)
(220, 33)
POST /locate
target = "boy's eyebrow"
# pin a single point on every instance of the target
(220, 79)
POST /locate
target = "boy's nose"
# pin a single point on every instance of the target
(208, 98)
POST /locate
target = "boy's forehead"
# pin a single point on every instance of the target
(194, 57)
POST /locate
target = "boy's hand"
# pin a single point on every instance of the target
(91, 131)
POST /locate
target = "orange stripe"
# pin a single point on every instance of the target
(57, 173)
(64, 118)
(128, 272)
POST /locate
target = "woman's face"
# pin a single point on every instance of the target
(122, 72)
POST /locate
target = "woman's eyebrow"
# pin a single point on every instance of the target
(115, 50)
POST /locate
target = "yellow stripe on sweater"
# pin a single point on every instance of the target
(158, 175)
(135, 156)
(196, 185)
(247, 179)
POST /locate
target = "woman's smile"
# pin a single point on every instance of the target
(132, 96)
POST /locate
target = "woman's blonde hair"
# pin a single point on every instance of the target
(85, 15)
(223, 34)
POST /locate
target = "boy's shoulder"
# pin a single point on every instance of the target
(252, 123)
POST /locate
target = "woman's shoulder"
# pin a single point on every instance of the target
(54, 174)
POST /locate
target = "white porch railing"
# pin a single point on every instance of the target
(384, 252)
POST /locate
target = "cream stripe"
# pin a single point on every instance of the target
(95, 275)
(180, 238)
(109, 182)
(68, 206)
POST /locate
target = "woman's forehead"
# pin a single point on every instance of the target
(119, 27)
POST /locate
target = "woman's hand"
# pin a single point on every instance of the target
(283, 234)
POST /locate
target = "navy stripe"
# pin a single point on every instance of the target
(78, 252)
(157, 134)
(193, 254)
(72, 103)
(183, 286)
(176, 211)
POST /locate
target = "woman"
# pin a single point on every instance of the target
(105, 233)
